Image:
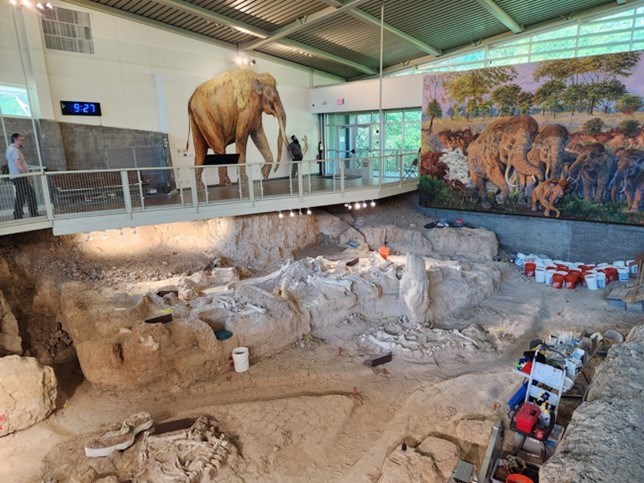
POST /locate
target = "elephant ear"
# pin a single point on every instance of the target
(258, 87)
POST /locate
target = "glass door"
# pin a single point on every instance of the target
(353, 143)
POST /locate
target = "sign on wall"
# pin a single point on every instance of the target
(555, 138)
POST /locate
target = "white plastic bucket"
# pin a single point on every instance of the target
(540, 275)
(519, 259)
(624, 273)
(601, 279)
(591, 281)
(549, 274)
(619, 263)
(240, 359)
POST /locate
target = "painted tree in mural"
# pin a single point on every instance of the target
(550, 96)
(511, 99)
(471, 89)
(629, 103)
(589, 81)
(433, 109)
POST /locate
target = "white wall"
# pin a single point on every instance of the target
(397, 92)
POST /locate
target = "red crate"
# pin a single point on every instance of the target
(527, 417)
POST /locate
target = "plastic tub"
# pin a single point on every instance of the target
(623, 273)
(530, 268)
(240, 359)
(540, 275)
(601, 279)
(549, 275)
(591, 281)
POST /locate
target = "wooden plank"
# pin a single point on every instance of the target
(376, 361)
(162, 319)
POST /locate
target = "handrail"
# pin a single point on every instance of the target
(123, 196)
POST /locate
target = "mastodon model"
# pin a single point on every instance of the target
(228, 109)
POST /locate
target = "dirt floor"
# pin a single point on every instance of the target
(314, 411)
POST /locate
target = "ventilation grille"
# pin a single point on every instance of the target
(67, 30)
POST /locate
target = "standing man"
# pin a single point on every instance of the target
(296, 153)
(17, 170)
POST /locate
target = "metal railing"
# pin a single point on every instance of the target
(65, 195)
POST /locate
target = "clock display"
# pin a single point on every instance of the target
(80, 108)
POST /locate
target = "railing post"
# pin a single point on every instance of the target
(127, 197)
(381, 167)
(140, 184)
(342, 172)
(49, 207)
(251, 188)
(300, 178)
(193, 188)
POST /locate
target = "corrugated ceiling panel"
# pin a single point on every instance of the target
(524, 13)
(264, 14)
(313, 62)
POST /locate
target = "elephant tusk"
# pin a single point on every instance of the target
(507, 177)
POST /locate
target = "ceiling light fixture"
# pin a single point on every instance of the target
(364, 204)
(357, 205)
(281, 215)
(291, 214)
(373, 203)
(308, 211)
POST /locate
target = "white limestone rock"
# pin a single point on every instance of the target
(414, 290)
(27, 393)
(10, 340)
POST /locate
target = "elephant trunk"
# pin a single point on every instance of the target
(280, 114)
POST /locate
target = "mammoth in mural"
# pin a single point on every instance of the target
(228, 109)
(502, 146)
(548, 150)
(629, 178)
(548, 193)
(594, 168)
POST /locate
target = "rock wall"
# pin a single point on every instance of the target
(10, 340)
(604, 439)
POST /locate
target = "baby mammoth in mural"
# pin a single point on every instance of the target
(502, 146)
(629, 178)
(228, 109)
(594, 168)
(548, 193)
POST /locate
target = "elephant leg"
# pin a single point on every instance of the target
(201, 149)
(637, 198)
(224, 179)
(259, 138)
(533, 206)
(497, 178)
(588, 185)
(478, 191)
(523, 190)
(241, 144)
(599, 190)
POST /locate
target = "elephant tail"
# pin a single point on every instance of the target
(189, 126)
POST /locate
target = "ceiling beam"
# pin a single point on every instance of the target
(365, 17)
(222, 20)
(302, 23)
(500, 14)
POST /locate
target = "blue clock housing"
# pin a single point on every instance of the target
(80, 108)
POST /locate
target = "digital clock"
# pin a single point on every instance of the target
(80, 108)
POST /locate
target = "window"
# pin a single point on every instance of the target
(621, 32)
(14, 101)
(68, 30)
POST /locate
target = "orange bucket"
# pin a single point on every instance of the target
(557, 280)
(517, 478)
(571, 280)
(384, 252)
(530, 268)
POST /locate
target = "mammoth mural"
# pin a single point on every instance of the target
(548, 150)
(228, 109)
(594, 169)
(629, 178)
(502, 146)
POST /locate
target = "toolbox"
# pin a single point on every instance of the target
(527, 416)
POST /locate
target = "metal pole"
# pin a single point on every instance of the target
(27, 86)
(4, 129)
(382, 39)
